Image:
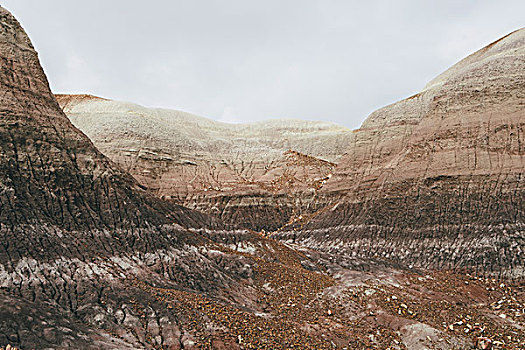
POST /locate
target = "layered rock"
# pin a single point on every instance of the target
(259, 175)
(436, 180)
(76, 229)
(90, 259)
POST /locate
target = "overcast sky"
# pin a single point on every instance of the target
(242, 60)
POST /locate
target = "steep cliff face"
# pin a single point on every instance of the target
(259, 175)
(436, 180)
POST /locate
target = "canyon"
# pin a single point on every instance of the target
(124, 227)
(434, 180)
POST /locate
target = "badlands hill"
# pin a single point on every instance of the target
(248, 174)
(83, 243)
(437, 179)
(89, 259)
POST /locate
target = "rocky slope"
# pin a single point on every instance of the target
(436, 180)
(259, 175)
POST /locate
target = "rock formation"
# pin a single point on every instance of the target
(259, 175)
(90, 259)
(77, 231)
(436, 180)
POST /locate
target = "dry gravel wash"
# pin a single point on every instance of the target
(304, 310)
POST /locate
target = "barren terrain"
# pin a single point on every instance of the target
(413, 240)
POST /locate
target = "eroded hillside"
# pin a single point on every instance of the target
(437, 180)
(91, 259)
(259, 175)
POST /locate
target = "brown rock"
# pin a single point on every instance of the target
(483, 343)
(80, 235)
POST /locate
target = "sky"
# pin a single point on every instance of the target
(244, 60)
